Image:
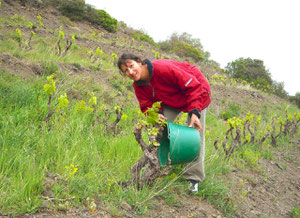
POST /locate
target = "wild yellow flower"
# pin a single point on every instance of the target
(71, 170)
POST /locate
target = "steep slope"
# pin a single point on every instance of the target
(272, 190)
(52, 20)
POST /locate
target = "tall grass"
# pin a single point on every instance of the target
(32, 150)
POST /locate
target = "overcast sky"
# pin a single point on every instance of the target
(268, 30)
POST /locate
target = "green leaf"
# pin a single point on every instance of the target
(117, 108)
(93, 101)
(63, 101)
(30, 25)
(18, 33)
(143, 122)
(99, 51)
(61, 34)
(124, 116)
(51, 77)
(155, 143)
(82, 107)
(49, 89)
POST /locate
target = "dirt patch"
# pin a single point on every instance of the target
(254, 101)
(19, 67)
(191, 207)
(274, 191)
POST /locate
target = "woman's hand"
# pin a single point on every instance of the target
(161, 117)
(195, 122)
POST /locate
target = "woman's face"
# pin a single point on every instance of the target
(132, 69)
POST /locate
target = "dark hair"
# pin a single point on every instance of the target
(127, 56)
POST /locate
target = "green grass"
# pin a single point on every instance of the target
(32, 148)
(295, 212)
(45, 49)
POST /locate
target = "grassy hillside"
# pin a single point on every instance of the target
(69, 160)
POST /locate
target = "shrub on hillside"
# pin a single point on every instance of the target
(107, 22)
(254, 72)
(185, 46)
(35, 3)
(185, 50)
(296, 99)
(79, 10)
(102, 18)
(165, 46)
(141, 36)
(278, 88)
(91, 15)
(74, 9)
(251, 71)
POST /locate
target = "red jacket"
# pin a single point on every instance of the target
(176, 84)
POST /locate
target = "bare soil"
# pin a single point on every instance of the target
(273, 191)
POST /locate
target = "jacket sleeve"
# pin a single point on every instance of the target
(195, 91)
(144, 98)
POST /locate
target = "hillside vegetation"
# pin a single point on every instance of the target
(67, 118)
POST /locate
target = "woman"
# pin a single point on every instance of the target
(180, 87)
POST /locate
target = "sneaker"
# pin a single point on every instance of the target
(193, 186)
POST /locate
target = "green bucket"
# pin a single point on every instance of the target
(181, 143)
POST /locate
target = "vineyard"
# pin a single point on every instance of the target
(71, 130)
